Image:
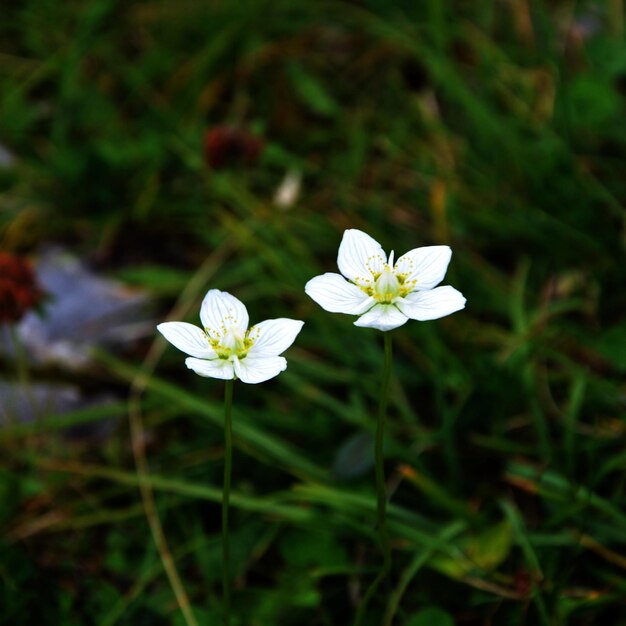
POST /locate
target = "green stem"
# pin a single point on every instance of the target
(228, 467)
(23, 374)
(381, 495)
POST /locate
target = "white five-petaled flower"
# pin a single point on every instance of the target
(226, 348)
(385, 295)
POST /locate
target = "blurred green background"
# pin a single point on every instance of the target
(154, 140)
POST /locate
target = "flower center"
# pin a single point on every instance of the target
(233, 340)
(387, 286)
(230, 342)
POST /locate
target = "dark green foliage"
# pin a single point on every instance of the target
(495, 127)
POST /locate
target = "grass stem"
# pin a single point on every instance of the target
(23, 374)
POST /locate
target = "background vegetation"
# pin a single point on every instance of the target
(495, 127)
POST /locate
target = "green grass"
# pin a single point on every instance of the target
(496, 128)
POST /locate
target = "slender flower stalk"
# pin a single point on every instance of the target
(381, 492)
(227, 348)
(228, 469)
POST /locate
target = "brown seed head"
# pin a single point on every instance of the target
(19, 290)
(225, 146)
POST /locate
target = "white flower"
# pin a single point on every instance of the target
(384, 294)
(227, 348)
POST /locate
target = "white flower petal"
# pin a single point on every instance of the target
(427, 266)
(432, 304)
(188, 338)
(335, 294)
(273, 336)
(255, 369)
(220, 311)
(383, 317)
(217, 368)
(360, 256)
